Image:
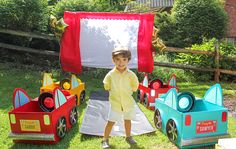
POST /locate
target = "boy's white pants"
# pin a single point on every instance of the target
(116, 116)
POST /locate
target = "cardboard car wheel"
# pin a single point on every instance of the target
(65, 84)
(185, 101)
(171, 131)
(73, 115)
(145, 99)
(82, 97)
(155, 84)
(139, 95)
(61, 127)
(157, 119)
(76, 99)
(46, 102)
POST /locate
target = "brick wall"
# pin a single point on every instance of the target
(230, 7)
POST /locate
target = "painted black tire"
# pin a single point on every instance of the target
(145, 99)
(61, 127)
(74, 114)
(157, 119)
(82, 97)
(155, 84)
(171, 131)
(139, 95)
(62, 82)
(41, 99)
(185, 101)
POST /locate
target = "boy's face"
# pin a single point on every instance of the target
(120, 62)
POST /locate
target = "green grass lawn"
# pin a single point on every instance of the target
(29, 78)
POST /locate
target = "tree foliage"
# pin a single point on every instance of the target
(167, 27)
(193, 20)
(226, 49)
(26, 15)
(87, 5)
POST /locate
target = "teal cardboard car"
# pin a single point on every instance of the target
(190, 122)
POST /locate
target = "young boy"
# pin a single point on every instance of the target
(121, 83)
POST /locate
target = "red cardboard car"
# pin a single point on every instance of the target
(149, 91)
(45, 119)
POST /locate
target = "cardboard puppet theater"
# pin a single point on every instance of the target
(98, 34)
(90, 37)
(87, 41)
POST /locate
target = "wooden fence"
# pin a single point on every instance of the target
(216, 54)
(30, 36)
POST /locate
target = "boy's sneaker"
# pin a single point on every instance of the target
(130, 140)
(105, 144)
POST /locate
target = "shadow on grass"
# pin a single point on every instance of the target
(205, 147)
(86, 137)
(135, 146)
(82, 106)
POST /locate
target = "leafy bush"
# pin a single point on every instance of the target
(52, 2)
(164, 73)
(191, 21)
(65, 5)
(25, 15)
(226, 49)
(165, 23)
(84, 5)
